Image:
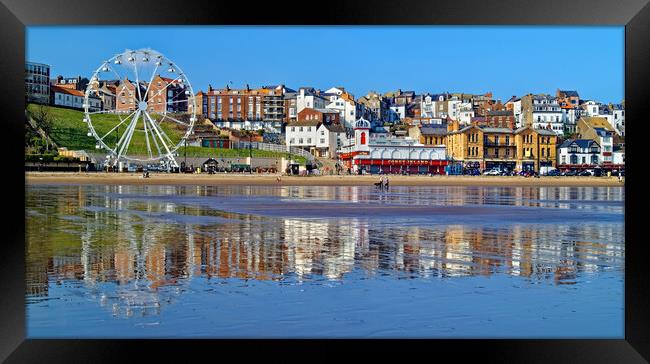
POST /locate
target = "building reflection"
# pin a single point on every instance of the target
(107, 239)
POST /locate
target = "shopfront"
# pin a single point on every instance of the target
(400, 166)
(501, 165)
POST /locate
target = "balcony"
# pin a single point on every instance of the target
(488, 143)
(499, 157)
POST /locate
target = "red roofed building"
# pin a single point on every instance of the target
(67, 97)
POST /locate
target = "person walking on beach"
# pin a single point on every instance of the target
(386, 183)
(380, 184)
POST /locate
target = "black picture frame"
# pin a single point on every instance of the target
(15, 15)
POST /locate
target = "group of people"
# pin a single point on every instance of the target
(383, 183)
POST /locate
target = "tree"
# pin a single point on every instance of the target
(43, 119)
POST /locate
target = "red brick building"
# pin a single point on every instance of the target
(266, 103)
(166, 93)
(127, 97)
(324, 116)
(568, 99)
(500, 119)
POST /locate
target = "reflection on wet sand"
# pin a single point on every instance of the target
(136, 249)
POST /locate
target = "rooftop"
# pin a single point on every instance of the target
(582, 143)
(68, 91)
(497, 130)
(336, 128)
(304, 123)
(569, 93)
(429, 130)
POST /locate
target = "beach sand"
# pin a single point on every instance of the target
(35, 178)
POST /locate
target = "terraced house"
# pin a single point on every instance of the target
(247, 108)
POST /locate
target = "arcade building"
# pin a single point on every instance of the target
(390, 155)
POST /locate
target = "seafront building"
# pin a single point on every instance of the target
(578, 153)
(390, 155)
(522, 149)
(251, 109)
(37, 83)
(72, 98)
(601, 131)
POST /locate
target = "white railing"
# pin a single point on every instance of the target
(274, 148)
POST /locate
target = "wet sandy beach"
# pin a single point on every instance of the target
(239, 261)
(34, 178)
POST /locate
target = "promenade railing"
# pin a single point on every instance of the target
(275, 148)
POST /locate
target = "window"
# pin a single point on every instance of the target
(574, 159)
(564, 159)
(584, 160)
(300, 140)
(300, 130)
(292, 141)
(293, 128)
(322, 132)
(308, 140)
(594, 159)
(322, 141)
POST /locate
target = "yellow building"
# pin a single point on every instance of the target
(485, 147)
(535, 148)
(482, 147)
(429, 135)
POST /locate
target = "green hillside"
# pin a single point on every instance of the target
(70, 131)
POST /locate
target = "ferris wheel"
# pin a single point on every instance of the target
(139, 106)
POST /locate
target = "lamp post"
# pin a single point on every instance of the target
(250, 151)
(408, 164)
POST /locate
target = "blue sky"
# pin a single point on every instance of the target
(475, 59)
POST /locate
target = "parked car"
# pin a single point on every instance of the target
(584, 173)
(569, 173)
(526, 173)
(553, 173)
(492, 172)
(154, 168)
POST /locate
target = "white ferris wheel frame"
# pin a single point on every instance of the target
(119, 151)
